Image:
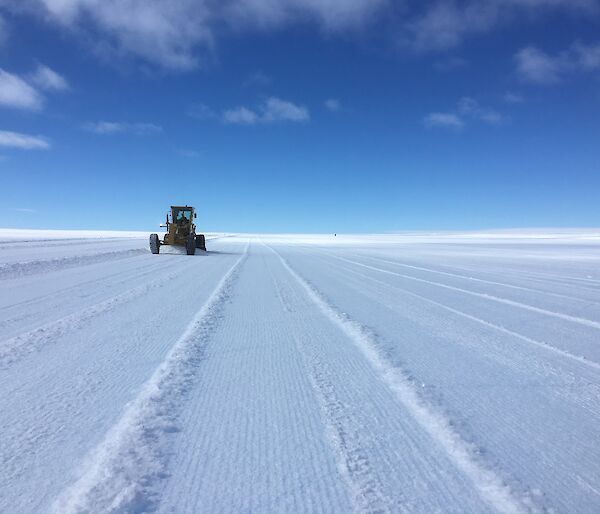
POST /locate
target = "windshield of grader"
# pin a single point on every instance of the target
(181, 216)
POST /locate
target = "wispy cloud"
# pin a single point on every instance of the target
(513, 98)
(23, 141)
(200, 111)
(467, 109)
(186, 152)
(24, 210)
(22, 92)
(453, 63)
(16, 93)
(46, 78)
(470, 108)
(119, 127)
(586, 57)
(276, 109)
(257, 79)
(183, 34)
(272, 110)
(180, 34)
(3, 31)
(443, 119)
(445, 24)
(240, 116)
(333, 104)
(536, 66)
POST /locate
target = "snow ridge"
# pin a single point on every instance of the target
(123, 473)
(490, 486)
(45, 265)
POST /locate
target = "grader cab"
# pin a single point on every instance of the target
(181, 231)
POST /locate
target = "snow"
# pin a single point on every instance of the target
(301, 373)
(26, 235)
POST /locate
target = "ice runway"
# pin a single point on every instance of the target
(410, 373)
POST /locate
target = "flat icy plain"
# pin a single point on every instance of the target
(410, 373)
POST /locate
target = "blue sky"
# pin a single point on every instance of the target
(300, 115)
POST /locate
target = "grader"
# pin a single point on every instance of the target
(181, 231)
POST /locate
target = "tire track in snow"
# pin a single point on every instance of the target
(505, 301)
(17, 347)
(352, 460)
(536, 280)
(539, 275)
(534, 276)
(124, 471)
(95, 281)
(541, 344)
(489, 485)
(481, 280)
(28, 309)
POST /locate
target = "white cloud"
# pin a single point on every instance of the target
(333, 104)
(15, 92)
(332, 15)
(271, 111)
(467, 109)
(276, 109)
(46, 78)
(160, 31)
(178, 34)
(21, 94)
(446, 23)
(470, 108)
(240, 116)
(22, 141)
(586, 57)
(182, 34)
(535, 65)
(443, 119)
(104, 127)
(119, 127)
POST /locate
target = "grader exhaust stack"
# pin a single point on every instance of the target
(181, 231)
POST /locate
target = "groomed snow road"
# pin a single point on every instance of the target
(411, 374)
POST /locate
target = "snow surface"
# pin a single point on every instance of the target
(301, 373)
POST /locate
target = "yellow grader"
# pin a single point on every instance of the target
(181, 231)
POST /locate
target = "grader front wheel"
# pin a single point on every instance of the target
(200, 242)
(190, 245)
(154, 243)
